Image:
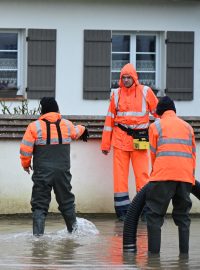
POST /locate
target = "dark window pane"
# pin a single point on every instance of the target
(8, 60)
(120, 43)
(115, 79)
(8, 80)
(145, 43)
(150, 57)
(8, 41)
(147, 78)
(119, 60)
(145, 62)
(120, 56)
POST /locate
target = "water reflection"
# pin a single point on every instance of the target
(140, 258)
(96, 245)
(156, 262)
(114, 245)
(61, 252)
(39, 250)
(168, 258)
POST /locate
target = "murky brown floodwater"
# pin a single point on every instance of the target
(96, 245)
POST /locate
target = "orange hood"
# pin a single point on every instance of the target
(128, 69)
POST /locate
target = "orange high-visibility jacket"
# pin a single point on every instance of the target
(129, 107)
(173, 149)
(36, 134)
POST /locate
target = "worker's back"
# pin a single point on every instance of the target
(173, 149)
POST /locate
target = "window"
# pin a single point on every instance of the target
(9, 63)
(162, 60)
(140, 49)
(39, 48)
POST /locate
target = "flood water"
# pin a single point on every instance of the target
(97, 244)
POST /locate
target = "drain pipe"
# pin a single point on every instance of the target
(131, 221)
(133, 214)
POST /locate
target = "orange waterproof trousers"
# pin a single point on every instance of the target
(121, 162)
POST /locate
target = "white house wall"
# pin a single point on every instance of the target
(92, 181)
(70, 18)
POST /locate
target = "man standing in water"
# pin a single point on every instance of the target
(173, 155)
(48, 141)
(127, 117)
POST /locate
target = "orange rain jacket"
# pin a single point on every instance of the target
(129, 107)
(173, 149)
(36, 134)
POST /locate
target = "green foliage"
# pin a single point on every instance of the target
(22, 109)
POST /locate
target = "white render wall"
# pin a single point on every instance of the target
(70, 18)
(92, 181)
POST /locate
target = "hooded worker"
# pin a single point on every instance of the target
(173, 156)
(128, 113)
(48, 140)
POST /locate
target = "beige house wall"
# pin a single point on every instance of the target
(91, 179)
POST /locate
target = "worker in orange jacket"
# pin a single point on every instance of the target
(47, 140)
(128, 112)
(173, 155)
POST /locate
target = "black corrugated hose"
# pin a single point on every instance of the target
(131, 220)
(133, 214)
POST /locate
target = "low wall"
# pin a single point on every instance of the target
(91, 179)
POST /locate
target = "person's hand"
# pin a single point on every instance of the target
(27, 169)
(85, 135)
(105, 152)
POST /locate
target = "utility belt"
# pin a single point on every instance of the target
(140, 137)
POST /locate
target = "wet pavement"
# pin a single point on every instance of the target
(97, 244)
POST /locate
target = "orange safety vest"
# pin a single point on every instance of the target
(36, 134)
(173, 149)
(129, 107)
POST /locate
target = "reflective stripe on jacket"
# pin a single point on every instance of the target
(36, 134)
(173, 149)
(129, 107)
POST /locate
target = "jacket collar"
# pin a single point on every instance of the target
(168, 113)
(51, 116)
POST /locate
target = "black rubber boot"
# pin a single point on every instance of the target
(183, 241)
(39, 217)
(154, 240)
(70, 222)
(121, 212)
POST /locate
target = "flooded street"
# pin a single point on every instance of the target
(97, 244)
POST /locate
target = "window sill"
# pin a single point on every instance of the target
(16, 98)
(8, 93)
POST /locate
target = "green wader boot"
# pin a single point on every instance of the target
(70, 222)
(154, 240)
(38, 222)
(183, 240)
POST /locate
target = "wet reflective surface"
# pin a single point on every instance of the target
(97, 244)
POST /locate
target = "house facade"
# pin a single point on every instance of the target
(74, 50)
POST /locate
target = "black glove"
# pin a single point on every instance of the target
(85, 135)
